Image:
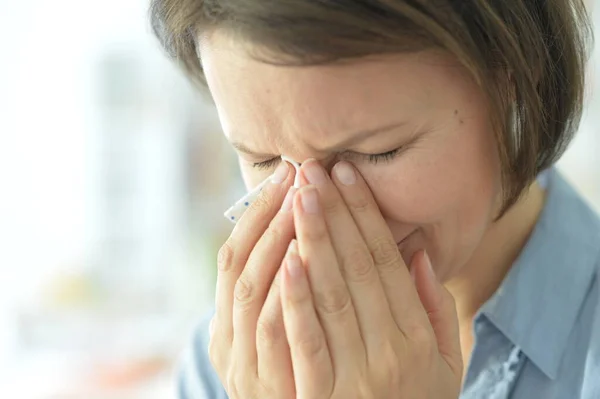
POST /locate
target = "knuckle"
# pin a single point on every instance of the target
(316, 233)
(269, 332)
(360, 203)
(225, 256)
(333, 301)
(358, 265)
(243, 291)
(311, 346)
(385, 253)
(331, 206)
(262, 203)
(273, 234)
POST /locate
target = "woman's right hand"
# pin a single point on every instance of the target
(248, 345)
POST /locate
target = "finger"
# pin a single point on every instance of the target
(357, 265)
(401, 295)
(235, 252)
(330, 293)
(253, 284)
(273, 350)
(311, 359)
(441, 310)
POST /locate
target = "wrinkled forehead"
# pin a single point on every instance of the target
(320, 103)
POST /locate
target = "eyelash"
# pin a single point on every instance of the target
(372, 158)
(383, 157)
(266, 164)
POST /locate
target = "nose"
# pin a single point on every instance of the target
(309, 171)
(326, 163)
(329, 163)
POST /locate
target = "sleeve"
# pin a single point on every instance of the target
(196, 378)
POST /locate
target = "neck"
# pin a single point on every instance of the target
(492, 260)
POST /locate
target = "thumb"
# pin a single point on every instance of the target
(441, 309)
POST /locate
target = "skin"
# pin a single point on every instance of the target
(439, 195)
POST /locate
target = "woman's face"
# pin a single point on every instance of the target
(440, 191)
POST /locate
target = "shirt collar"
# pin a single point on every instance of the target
(537, 304)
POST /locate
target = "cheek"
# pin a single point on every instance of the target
(413, 193)
(446, 176)
(252, 177)
(248, 176)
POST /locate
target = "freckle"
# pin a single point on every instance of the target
(455, 112)
(461, 121)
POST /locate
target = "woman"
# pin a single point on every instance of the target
(431, 251)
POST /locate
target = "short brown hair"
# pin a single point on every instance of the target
(527, 55)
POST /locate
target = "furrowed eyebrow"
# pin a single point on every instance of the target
(242, 148)
(356, 138)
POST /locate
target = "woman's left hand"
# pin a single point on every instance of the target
(358, 325)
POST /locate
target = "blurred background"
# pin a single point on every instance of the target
(114, 176)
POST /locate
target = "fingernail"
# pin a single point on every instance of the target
(288, 202)
(294, 267)
(310, 201)
(280, 173)
(344, 173)
(429, 267)
(314, 172)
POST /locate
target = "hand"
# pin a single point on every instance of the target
(357, 325)
(248, 346)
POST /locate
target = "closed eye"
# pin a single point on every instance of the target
(266, 164)
(372, 158)
(382, 157)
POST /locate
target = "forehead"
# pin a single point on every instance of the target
(320, 103)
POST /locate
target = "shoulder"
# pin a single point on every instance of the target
(196, 376)
(549, 303)
(591, 374)
(582, 224)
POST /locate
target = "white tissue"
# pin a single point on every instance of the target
(235, 212)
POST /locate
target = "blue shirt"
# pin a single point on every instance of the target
(538, 336)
